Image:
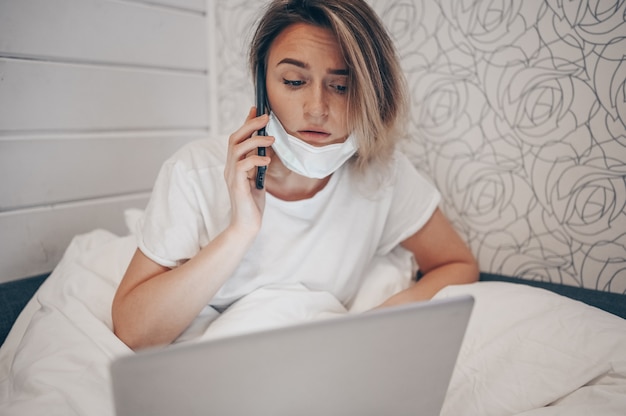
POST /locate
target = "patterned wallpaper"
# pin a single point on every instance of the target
(518, 117)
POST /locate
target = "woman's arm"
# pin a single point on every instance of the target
(154, 304)
(443, 258)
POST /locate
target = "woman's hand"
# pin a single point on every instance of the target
(247, 202)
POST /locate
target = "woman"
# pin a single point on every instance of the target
(336, 194)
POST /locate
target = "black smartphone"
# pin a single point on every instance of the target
(261, 108)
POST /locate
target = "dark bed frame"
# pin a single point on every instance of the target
(15, 295)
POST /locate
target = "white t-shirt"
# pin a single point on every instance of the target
(325, 243)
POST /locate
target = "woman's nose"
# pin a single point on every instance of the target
(316, 105)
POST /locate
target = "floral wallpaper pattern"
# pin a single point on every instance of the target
(518, 116)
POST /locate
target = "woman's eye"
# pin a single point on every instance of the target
(293, 83)
(342, 89)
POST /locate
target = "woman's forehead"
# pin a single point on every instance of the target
(307, 44)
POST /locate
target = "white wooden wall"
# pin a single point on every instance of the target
(94, 95)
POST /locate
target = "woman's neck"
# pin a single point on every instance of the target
(287, 185)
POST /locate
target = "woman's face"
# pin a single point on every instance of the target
(306, 84)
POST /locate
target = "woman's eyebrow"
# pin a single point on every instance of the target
(304, 65)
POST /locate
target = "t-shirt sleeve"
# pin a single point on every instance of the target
(413, 201)
(169, 231)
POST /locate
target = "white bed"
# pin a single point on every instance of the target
(527, 351)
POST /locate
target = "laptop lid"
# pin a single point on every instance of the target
(392, 361)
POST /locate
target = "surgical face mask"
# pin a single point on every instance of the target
(305, 159)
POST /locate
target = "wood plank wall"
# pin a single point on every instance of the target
(94, 95)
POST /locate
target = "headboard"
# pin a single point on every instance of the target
(518, 117)
(94, 95)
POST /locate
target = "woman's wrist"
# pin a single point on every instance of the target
(242, 233)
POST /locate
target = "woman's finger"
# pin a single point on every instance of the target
(242, 149)
(251, 125)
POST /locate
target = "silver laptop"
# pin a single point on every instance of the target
(394, 361)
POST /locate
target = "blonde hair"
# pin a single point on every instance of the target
(377, 101)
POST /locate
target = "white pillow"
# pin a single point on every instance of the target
(527, 347)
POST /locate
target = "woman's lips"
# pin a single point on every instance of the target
(313, 136)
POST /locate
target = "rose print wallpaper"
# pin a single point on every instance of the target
(518, 116)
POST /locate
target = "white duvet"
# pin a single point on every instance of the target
(526, 351)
